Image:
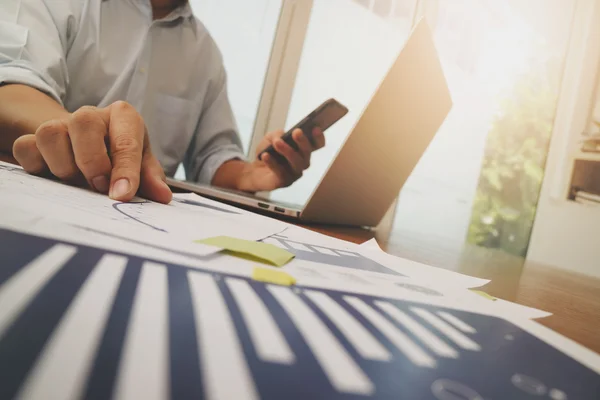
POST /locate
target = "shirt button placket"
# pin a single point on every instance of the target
(139, 81)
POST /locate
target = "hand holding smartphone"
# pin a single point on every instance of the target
(322, 117)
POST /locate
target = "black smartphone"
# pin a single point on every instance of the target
(322, 117)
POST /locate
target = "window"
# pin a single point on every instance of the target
(481, 176)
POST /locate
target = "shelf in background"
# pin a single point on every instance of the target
(587, 156)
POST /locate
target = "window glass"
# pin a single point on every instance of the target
(480, 178)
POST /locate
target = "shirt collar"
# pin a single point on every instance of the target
(182, 12)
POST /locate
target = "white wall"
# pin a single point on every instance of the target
(567, 234)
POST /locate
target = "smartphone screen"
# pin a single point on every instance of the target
(322, 117)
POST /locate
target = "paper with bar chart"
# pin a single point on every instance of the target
(78, 321)
(84, 314)
(317, 248)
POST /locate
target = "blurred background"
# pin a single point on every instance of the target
(479, 183)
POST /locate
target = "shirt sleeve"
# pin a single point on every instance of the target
(35, 36)
(216, 139)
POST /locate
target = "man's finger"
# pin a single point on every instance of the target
(304, 146)
(318, 138)
(268, 140)
(88, 130)
(296, 163)
(275, 134)
(282, 173)
(28, 156)
(271, 137)
(126, 135)
(153, 180)
(52, 140)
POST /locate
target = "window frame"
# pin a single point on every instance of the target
(282, 69)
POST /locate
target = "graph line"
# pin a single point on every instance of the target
(117, 207)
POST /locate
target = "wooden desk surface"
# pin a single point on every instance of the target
(573, 299)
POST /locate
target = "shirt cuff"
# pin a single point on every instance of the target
(214, 162)
(25, 76)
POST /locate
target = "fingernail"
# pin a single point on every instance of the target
(120, 188)
(101, 184)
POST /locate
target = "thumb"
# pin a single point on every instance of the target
(268, 140)
(153, 180)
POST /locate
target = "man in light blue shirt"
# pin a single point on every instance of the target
(114, 92)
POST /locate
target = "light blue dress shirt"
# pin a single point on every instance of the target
(95, 52)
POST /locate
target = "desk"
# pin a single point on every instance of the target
(573, 299)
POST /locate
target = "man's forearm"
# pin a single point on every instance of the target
(22, 110)
(230, 174)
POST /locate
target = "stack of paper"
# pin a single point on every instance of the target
(96, 302)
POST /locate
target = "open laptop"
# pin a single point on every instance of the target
(381, 151)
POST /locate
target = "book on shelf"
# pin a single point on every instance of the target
(587, 198)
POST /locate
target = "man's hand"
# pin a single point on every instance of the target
(268, 174)
(106, 147)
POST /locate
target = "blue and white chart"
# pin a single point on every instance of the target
(320, 250)
(82, 322)
(329, 255)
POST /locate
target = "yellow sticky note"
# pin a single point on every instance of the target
(271, 276)
(256, 251)
(484, 294)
